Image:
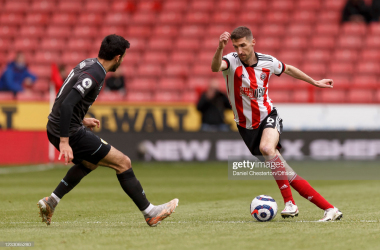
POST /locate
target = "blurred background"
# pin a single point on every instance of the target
(164, 103)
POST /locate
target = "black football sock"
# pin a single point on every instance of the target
(72, 178)
(133, 189)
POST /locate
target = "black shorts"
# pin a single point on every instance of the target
(252, 137)
(85, 145)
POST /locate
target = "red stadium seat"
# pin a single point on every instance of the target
(8, 31)
(323, 42)
(110, 96)
(119, 18)
(224, 17)
(166, 96)
(327, 29)
(272, 30)
(140, 31)
(31, 31)
(304, 16)
(69, 6)
(314, 68)
(96, 6)
(112, 29)
(292, 57)
(314, 55)
(336, 5)
(332, 95)
(278, 16)
(143, 18)
(280, 96)
(217, 30)
(365, 67)
(345, 55)
(370, 55)
(281, 83)
(205, 56)
(149, 6)
(137, 44)
(199, 83)
(184, 57)
(197, 17)
(44, 6)
(63, 19)
(308, 5)
(354, 29)
(361, 96)
(128, 69)
(365, 81)
(165, 31)
(177, 70)
(85, 31)
(299, 29)
(171, 84)
(189, 96)
(90, 19)
(42, 71)
(377, 96)
(268, 43)
(145, 70)
(175, 6)
(201, 5)
(37, 19)
(257, 5)
(25, 44)
(300, 95)
(160, 44)
(374, 29)
(170, 18)
(284, 5)
(193, 31)
(142, 84)
(329, 17)
(41, 85)
(228, 6)
(202, 70)
(295, 42)
(29, 96)
(6, 96)
(11, 18)
(46, 57)
(143, 96)
(79, 44)
(15, 7)
(73, 58)
(187, 44)
(341, 81)
(58, 31)
(251, 18)
(372, 42)
(159, 57)
(341, 68)
(5, 44)
(350, 42)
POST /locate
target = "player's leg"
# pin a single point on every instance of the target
(269, 141)
(132, 187)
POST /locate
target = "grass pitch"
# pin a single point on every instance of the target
(213, 212)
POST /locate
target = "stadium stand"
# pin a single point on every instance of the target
(173, 41)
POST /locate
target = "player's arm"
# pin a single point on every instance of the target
(91, 123)
(67, 108)
(217, 63)
(298, 74)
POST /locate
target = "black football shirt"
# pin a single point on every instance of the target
(87, 78)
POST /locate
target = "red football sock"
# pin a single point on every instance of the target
(308, 192)
(282, 180)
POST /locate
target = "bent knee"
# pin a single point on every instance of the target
(125, 164)
(267, 150)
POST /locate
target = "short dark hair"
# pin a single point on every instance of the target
(112, 45)
(241, 32)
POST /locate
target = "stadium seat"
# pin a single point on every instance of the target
(341, 81)
(292, 57)
(372, 42)
(374, 28)
(58, 31)
(143, 18)
(33, 31)
(79, 44)
(177, 70)
(250, 18)
(304, 16)
(184, 57)
(15, 7)
(123, 6)
(322, 42)
(191, 44)
(110, 96)
(166, 96)
(165, 30)
(149, 70)
(197, 17)
(46, 57)
(327, 16)
(205, 56)
(327, 29)
(350, 42)
(345, 55)
(175, 84)
(193, 31)
(37, 19)
(216, 30)
(64, 19)
(370, 55)
(11, 18)
(139, 31)
(202, 70)
(365, 67)
(224, 17)
(160, 44)
(90, 19)
(272, 30)
(295, 42)
(198, 83)
(314, 68)
(336, 5)
(28, 96)
(137, 44)
(41, 86)
(361, 96)
(277, 17)
(143, 96)
(280, 83)
(6, 96)
(44, 6)
(187, 96)
(365, 81)
(201, 5)
(149, 5)
(142, 84)
(300, 95)
(332, 96)
(25, 44)
(159, 57)
(112, 29)
(341, 68)
(73, 57)
(119, 18)
(354, 29)
(128, 70)
(96, 6)
(228, 6)
(280, 96)
(175, 6)
(283, 5)
(69, 6)
(170, 18)
(257, 5)
(308, 5)
(299, 29)
(8, 31)
(267, 43)
(89, 32)
(42, 71)
(318, 55)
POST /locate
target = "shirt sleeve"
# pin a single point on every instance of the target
(87, 81)
(227, 59)
(278, 67)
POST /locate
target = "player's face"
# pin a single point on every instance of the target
(117, 64)
(244, 48)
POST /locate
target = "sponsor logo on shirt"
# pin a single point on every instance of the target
(82, 64)
(86, 83)
(80, 89)
(252, 94)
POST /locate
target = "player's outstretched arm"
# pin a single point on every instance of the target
(298, 74)
(217, 63)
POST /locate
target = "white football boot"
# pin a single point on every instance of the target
(332, 214)
(290, 210)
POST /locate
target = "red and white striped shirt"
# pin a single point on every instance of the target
(247, 87)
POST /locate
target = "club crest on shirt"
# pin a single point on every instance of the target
(252, 94)
(263, 76)
(86, 83)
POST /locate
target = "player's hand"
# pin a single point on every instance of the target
(91, 123)
(223, 40)
(325, 83)
(66, 151)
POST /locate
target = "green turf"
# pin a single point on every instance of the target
(213, 212)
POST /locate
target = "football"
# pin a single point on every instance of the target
(263, 208)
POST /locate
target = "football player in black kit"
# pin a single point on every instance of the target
(66, 131)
